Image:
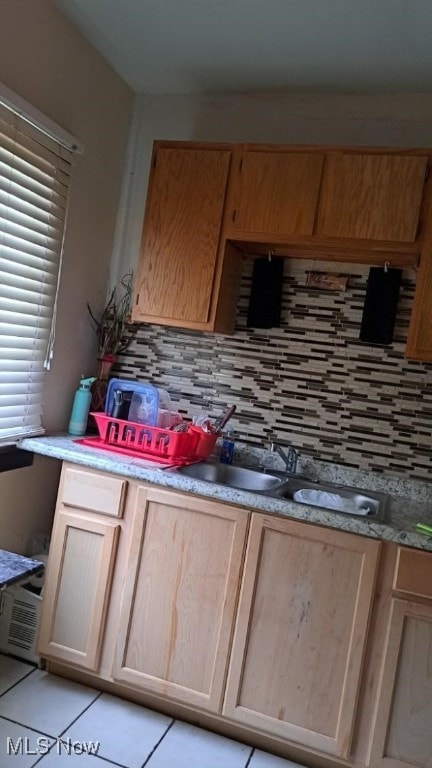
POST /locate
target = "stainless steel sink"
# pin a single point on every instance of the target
(358, 502)
(235, 477)
(367, 504)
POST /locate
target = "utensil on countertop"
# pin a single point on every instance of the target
(423, 528)
(183, 427)
(202, 422)
(223, 419)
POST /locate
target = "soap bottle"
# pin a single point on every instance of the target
(227, 448)
(81, 407)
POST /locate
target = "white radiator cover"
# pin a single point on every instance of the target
(19, 619)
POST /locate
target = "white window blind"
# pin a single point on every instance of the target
(35, 177)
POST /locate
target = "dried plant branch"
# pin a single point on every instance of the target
(114, 330)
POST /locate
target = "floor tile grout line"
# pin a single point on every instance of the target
(80, 715)
(41, 757)
(49, 735)
(157, 744)
(60, 738)
(98, 757)
(40, 733)
(18, 682)
(38, 761)
(110, 762)
(163, 737)
(101, 757)
(29, 727)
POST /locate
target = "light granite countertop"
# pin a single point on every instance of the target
(15, 568)
(410, 501)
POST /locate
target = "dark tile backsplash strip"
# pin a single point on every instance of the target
(310, 382)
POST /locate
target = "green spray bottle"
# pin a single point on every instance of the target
(81, 407)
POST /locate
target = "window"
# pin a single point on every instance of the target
(35, 177)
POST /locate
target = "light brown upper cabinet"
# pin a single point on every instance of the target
(181, 278)
(311, 193)
(419, 344)
(276, 192)
(371, 197)
(208, 203)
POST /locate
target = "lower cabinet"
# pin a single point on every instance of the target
(402, 736)
(301, 631)
(77, 590)
(180, 597)
(256, 619)
(81, 566)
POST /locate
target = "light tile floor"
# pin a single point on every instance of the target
(50, 722)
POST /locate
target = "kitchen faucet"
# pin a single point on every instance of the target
(289, 458)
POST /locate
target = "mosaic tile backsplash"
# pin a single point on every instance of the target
(310, 383)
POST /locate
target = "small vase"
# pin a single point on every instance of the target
(99, 389)
(104, 365)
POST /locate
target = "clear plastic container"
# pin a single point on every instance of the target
(148, 404)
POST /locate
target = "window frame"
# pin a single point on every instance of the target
(23, 126)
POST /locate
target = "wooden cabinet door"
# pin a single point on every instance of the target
(179, 252)
(419, 344)
(180, 596)
(371, 196)
(276, 193)
(300, 633)
(77, 589)
(403, 717)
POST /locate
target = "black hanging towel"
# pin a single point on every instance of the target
(266, 293)
(380, 305)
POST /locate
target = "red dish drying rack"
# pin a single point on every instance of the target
(145, 442)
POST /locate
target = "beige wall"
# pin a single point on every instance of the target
(48, 63)
(27, 503)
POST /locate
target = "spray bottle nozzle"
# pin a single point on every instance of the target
(86, 383)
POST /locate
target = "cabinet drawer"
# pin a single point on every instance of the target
(413, 573)
(94, 492)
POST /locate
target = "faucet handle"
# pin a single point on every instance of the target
(292, 459)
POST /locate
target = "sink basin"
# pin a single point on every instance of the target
(370, 505)
(341, 499)
(235, 477)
